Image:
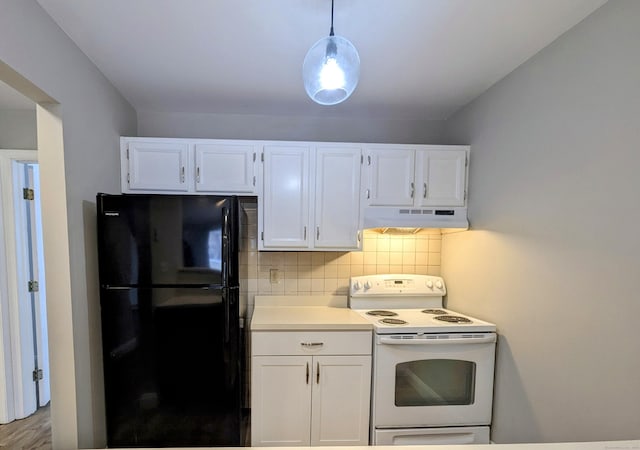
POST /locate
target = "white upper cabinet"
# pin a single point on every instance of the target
(189, 166)
(391, 177)
(285, 197)
(156, 166)
(225, 167)
(311, 197)
(337, 198)
(419, 175)
(440, 177)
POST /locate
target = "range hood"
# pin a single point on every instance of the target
(401, 217)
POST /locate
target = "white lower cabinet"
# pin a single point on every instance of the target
(302, 400)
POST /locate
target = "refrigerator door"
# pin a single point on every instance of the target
(167, 240)
(172, 370)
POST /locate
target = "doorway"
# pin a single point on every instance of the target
(24, 348)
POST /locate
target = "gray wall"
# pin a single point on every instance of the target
(94, 116)
(18, 129)
(322, 128)
(553, 256)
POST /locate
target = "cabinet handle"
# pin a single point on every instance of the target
(317, 233)
(424, 192)
(413, 189)
(368, 194)
(197, 174)
(182, 174)
(358, 234)
(318, 373)
(369, 159)
(307, 373)
(312, 344)
(305, 233)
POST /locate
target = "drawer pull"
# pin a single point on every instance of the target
(312, 344)
(318, 373)
(307, 373)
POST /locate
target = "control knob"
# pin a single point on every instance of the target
(367, 285)
(357, 286)
(439, 284)
(430, 284)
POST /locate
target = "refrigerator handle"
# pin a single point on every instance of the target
(225, 304)
(225, 247)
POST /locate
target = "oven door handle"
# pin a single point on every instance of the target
(419, 341)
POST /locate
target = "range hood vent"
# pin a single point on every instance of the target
(434, 217)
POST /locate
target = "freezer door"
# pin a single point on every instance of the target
(154, 240)
(171, 361)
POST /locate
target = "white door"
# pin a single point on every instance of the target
(225, 168)
(285, 197)
(391, 174)
(441, 177)
(340, 400)
(280, 400)
(158, 166)
(337, 199)
(23, 344)
(420, 382)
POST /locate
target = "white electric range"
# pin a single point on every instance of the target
(432, 379)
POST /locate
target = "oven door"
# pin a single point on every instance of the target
(433, 380)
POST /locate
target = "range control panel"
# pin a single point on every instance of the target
(397, 285)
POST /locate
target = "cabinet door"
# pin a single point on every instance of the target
(441, 177)
(158, 166)
(340, 400)
(337, 197)
(225, 168)
(391, 177)
(280, 400)
(286, 197)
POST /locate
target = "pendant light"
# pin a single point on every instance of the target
(331, 69)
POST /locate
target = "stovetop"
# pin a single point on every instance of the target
(417, 321)
(407, 303)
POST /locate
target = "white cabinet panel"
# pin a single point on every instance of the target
(340, 400)
(337, 197)
(281, 400)
(225, 167)
(441, 178)
(286, 197)
(157, 166)
(391, 177)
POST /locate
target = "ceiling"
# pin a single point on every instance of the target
(420, 59)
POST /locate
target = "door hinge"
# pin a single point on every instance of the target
(27, 194)
(466, 161)
(33, 286)
(361, 159)
(254, 180)
(127, 152)
(37, 374)
(262, 157)
(254, 156)
(465, 196)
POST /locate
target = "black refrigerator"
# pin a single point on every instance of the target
(169, 302)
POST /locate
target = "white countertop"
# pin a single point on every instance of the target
(282, 313)
(608, 445)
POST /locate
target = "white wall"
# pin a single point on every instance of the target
(18, 129)
(554, 255)
(94, 115)
(322, 128)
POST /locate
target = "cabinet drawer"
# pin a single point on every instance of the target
(310, 343)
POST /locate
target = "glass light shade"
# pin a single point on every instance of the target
(331, 70)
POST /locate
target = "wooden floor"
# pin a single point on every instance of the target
(33, 432)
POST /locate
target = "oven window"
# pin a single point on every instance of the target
(435, 382)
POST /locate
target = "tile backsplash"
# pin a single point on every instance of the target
(305, 273)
